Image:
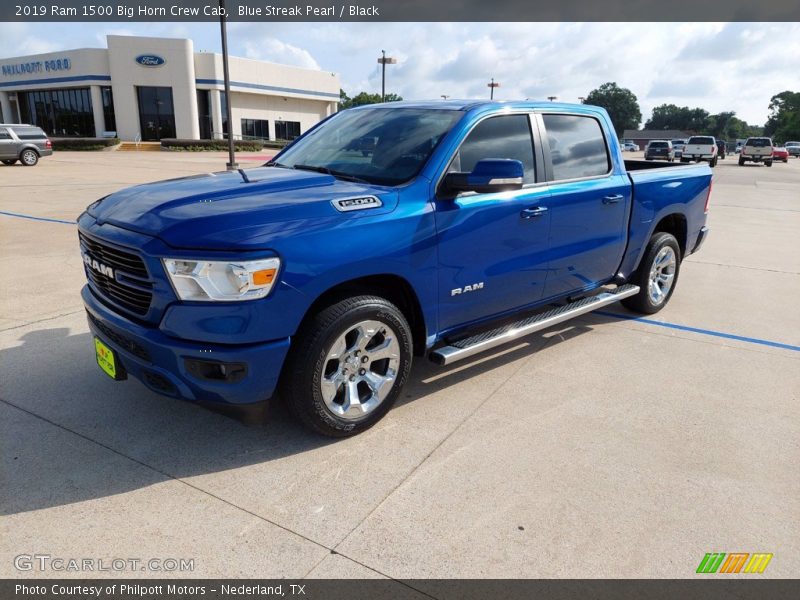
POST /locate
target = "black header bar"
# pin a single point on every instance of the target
(400, 10)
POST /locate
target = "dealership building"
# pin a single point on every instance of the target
(144, 88)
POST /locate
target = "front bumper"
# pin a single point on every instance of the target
(160, 361)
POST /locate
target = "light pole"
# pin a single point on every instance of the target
(383, 61)
(445, 96)
(582, 99)
(232, 166)
(552, 98)
(491, 85)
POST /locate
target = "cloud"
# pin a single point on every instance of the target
(274, 50)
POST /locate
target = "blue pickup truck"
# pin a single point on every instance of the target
(438, 229)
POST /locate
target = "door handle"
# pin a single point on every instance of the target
(533, 212)
(613, 199)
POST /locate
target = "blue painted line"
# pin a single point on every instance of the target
(32, 218)
(711, 332)
(57, 80)
(270, 88)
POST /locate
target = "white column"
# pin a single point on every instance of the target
(5, 108)
(216, 115)
(97, 110)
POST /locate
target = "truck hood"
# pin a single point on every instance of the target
(230, 211)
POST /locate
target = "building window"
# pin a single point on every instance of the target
(287, 130)
(204, 114)
(223, 107)
(108, 109)
(61, 113)
(255, 129)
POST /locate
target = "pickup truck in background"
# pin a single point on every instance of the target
(700, 148)
(793, 148)
(756, 149)
(459, 227)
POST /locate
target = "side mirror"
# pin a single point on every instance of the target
(489, 175)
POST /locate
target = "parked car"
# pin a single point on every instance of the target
(659, 150)
(677, 147)
(700, 148)
(721, 149)
(23, 143)
(631, 147)
(793, 148)
(780, 153)
(757, 149)
(323, 274)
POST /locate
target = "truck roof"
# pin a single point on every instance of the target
(470, 104)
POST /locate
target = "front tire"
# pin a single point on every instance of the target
(657, 275)
(29, 158)
(348, 365)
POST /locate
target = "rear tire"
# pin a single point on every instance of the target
(10, 162)
(657, 275)
(741, 162)
(348, 365)
(713, 162)
(29, 158)
(768, 163)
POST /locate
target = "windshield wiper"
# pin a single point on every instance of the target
(272, 163)
(327, 171)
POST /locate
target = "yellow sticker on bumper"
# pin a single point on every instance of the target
(105, 358)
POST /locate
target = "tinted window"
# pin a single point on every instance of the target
(29, 133)
(381, 145)
(759, 142)
(701, 140)
(658, 145)
(4, 135)
(498, 137)
(577, 146)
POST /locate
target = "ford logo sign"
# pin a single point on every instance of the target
(150, 60)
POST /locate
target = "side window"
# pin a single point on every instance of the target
(508, 136)
(4, 135)
(577, 146)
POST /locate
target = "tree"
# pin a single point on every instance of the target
(363, 98)
(784, 116)
(670, 116)
(621, 104)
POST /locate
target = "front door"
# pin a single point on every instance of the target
(156, 113)
(492, 247)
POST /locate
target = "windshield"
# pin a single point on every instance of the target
(792, 144)
(379, 145)
(759, 142)
(701, 140)
(658, 145)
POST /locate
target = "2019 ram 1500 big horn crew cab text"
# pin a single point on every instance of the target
(322, 273)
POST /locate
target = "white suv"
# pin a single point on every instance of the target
(700, 147)
(757, 149)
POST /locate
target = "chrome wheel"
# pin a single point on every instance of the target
(29, 157)
(360, 370)
(662, 275)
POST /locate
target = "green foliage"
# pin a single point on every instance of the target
(213, 145)
(363, 98)
(83, 144)
(621, 104)
(783, 123)
(724, 125)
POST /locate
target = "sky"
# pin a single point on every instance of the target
(715, 66)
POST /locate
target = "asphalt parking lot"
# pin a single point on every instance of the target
(606, 447)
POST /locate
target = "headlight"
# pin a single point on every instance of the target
(222, 281)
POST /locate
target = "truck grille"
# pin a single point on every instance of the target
(128, 287)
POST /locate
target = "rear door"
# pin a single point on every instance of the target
(8, 145)
(492, 247)
(589, 204)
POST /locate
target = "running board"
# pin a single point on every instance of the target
(469, 346)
